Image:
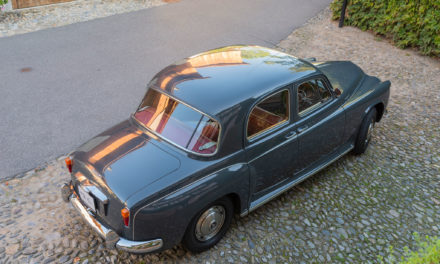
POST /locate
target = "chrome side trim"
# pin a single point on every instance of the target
(259, 202)
(139, 246)
(244, 213)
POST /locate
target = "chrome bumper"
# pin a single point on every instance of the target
(111, 238)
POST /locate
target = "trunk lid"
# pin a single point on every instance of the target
(123, 160)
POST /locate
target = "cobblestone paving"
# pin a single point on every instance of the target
(27, 20)
(348, 213)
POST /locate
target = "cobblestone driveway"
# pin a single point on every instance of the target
(350, 212)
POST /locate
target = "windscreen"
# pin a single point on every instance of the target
(178, 123)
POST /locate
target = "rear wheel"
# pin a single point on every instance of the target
(365, 132)
(209, 225)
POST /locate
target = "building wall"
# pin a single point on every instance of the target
(16, 4)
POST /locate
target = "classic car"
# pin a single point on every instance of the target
(217, 134)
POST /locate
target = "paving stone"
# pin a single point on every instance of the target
(66, 242)
(64, 259)
(29, 251)
(49, 260)
(393, 214)
(84, 245)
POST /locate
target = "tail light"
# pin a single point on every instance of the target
(125, 213)
(69, 164)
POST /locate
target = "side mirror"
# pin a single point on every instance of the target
(337, 92)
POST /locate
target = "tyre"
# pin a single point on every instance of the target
(365, 132)
(209, 225)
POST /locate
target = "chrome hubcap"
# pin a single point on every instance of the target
(210, 223)
(370, 131)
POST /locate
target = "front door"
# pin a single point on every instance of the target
(320, 124)
(271, 142)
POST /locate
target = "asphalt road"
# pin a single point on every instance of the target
(85, 77)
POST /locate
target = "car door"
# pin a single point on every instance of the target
(271, 142)
(320, 122)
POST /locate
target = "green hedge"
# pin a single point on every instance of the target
(410, 23)
(428, 252)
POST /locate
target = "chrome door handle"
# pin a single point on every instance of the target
(290, 134)
(302, 129)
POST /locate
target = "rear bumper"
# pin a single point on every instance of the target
(111, 238)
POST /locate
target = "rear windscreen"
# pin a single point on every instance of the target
(178, 123)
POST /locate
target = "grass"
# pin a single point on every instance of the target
(428, 252)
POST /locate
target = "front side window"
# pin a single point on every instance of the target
(311, 94)
(178, 123)
(271, 112)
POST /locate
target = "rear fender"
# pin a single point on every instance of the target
(169, 216)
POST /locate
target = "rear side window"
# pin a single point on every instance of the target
(270, 113)
(311, 94)
(178, 123)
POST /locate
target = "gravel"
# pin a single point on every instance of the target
(31, 19)
(350, 212)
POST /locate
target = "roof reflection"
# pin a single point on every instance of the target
(171, 76)
(219, 79)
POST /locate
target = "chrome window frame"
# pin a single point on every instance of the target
(316, 106)
(273, 127)
(173, 143)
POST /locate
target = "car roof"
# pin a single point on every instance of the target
(220, 79)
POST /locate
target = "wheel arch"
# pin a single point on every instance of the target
(380, 108)
(236, 201)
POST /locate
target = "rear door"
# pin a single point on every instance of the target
(272, 144)
(320, 122)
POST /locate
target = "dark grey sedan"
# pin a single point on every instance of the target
(219, 133)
